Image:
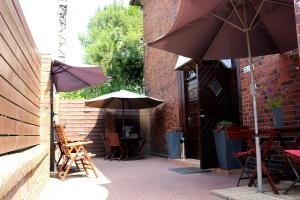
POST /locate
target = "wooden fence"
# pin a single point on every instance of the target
(91, 123)
(19, 81)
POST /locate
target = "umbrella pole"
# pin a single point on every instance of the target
(52, 145)
(257, 137)
(123, 131)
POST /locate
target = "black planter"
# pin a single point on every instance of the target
(225, 149)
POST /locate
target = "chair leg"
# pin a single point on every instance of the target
(65, 161)
(113, 151)
(68, 168)
(241, 176)
(77, 166)
(88, 158)
(84, 167)
(297, 177)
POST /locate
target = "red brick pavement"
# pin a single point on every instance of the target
(151, 179)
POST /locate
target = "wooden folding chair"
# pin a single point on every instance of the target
(73, 152)
(114, 146)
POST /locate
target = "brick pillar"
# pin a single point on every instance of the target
(45, 99)
(297, 15)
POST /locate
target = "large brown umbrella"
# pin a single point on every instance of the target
(67, 78)
(219, 29)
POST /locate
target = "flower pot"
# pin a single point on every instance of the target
(225, 149)
(277, 117)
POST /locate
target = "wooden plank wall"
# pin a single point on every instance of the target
(19, 81)
(79, 120)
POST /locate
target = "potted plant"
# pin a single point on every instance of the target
(274, 102)
(225, 147)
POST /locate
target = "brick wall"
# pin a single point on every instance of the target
(279, 73)
(160, 78)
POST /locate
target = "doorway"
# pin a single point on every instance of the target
(211, 95)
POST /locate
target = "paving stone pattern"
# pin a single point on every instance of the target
(148, 179)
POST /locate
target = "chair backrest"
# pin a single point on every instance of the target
(113, 140)
(62, 140)
(239, 133)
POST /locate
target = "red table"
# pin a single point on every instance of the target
(272, 134)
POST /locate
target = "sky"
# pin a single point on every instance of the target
(41, 17)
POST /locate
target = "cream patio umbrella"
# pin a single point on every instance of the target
(123, 100)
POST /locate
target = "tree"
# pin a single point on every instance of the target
(114, 41)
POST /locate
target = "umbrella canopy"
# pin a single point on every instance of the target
(215, 29)
(123, 100)
(218, 29)
(68, 78)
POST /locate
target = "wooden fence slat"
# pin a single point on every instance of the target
(79, 117)
(84, 129)
(11, 143)
(83, 121)
(12, 61)
(11, 110)
(9, 38)
(91, 133)
(34, 51)
(7, 73)
(15, 17)
(13, 127)
(14, 95)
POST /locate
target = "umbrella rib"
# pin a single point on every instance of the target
(266, 32)
(60, 66)
(234, 7)
(226, 21)
(146, 102)
(271, 1)
(256, 14)
(280, 3)
(105, 104)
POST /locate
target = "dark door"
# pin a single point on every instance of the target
(192, 115)
(210, 98)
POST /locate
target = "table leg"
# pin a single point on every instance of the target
(267, 174)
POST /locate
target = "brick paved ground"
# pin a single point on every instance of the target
(148, 179)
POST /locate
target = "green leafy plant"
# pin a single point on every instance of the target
(223, 124)
(274, 100)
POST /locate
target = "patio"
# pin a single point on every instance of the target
(149, 178)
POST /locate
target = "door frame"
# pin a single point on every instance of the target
(183, 104)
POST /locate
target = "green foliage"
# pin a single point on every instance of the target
(274, 100)
(222, 125)
(113, 41)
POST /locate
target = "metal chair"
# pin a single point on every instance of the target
(242, 157)
(293, 157)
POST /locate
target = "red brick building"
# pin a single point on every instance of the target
(174, 87)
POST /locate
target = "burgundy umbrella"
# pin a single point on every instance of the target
(220, 29)
(68, 78)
